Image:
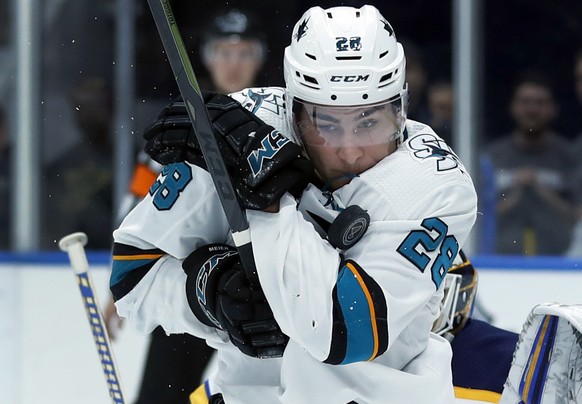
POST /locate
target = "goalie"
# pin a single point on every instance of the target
(482, 353)
(542, 365)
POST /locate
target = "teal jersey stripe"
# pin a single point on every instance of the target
(122, 267)
(356, 312)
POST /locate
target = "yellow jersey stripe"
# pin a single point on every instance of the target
(535, 357)
(477, 395)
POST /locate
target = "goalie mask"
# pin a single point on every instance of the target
(460, 288)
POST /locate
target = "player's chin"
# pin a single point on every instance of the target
(338, 180)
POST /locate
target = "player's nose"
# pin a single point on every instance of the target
(349, 154)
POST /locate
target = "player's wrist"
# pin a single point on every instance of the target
(274, 208)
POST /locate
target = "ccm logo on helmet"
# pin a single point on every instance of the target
(349, 79)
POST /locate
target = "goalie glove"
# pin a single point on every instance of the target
(263, 164)
(220, 296)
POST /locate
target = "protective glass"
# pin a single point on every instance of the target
(360, 126)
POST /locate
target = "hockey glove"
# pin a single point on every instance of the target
(171, 139)
(220, 296)
(262, 163)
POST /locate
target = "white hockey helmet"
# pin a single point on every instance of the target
(345, 56)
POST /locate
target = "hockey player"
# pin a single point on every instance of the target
(233, 50)
(344, 310)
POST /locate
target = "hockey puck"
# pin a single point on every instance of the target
(348, 227)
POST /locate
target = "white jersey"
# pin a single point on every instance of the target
(358, 320)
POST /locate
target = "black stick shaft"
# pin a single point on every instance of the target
(189, 88)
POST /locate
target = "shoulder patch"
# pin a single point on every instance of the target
(429, 146)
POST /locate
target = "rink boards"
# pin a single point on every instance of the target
(47, 353)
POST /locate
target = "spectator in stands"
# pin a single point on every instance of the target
(416, 78)
(5, 195)
(578, 90)
(533, 168)
(79, 184)
(576, 245)
(440, 99)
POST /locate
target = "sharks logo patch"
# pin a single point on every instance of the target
(427, 145)
(265, 99)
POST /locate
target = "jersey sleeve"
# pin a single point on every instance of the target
(180, 213)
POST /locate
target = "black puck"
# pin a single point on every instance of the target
(348, 227)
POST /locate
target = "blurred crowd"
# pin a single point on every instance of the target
(529, 179)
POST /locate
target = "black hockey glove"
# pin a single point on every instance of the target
(171, 139)
(263, 164)
(220, 296)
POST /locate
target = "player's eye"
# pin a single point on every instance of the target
(329, 128)
(367, 124)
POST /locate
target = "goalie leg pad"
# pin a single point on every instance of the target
(547, 363)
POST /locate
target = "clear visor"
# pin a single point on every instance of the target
(359, 126)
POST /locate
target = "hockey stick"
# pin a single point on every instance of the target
(192, 95)
(73, 244)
